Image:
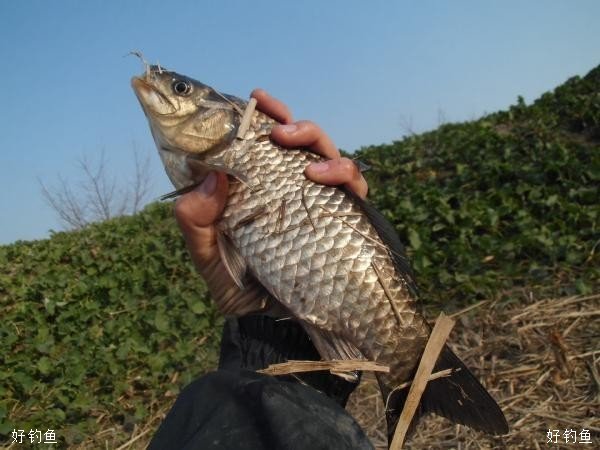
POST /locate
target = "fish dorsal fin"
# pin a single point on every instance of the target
(390, 238)
(232, 260)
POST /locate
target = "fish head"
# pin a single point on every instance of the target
(189, 120)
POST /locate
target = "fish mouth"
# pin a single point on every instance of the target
(140, 86)
(151, 99)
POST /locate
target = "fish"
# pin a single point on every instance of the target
(316, 253)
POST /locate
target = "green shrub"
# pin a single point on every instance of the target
(106, 320)
(509, 200)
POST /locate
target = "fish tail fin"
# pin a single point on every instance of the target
(459, 397)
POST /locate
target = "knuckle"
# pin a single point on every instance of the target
(287, 113)
(365, 189)
(182, 210)
(350, 169)
(310, 126)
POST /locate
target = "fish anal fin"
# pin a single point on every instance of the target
(333, 347)
(240, 302)
(232, 260)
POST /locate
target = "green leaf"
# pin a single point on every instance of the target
(161, 322)
(44, 365)
(198, 307)
(414, 239)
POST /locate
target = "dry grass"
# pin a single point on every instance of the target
(539, 359)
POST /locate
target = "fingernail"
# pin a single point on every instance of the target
(289, 128)
(209, 185)
(319, 167)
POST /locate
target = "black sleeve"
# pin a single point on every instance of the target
(237, 408)
(248, 411)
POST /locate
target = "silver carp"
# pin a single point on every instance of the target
(319, 253)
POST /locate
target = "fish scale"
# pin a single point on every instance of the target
(315, 252)
(300, 267)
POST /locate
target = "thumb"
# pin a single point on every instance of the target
(197, 211)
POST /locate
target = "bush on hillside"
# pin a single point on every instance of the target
(104, 321)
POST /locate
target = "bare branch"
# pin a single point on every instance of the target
(69, 209)
(99, 187)
(141, 185)
(406, 125)
(441, 117)
(98, 195)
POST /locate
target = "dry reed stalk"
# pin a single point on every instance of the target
(441, 330)
(246, 118)
(349, 365)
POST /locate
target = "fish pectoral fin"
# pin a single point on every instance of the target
(232, 259)
(220, 165)
(241, 302)
(333, 347)
(178, 192)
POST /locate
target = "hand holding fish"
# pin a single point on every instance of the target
(197, 211)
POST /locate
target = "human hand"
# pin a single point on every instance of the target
(197, 211)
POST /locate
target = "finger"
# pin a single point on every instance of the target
(196, 212)
(271, 106)
(339, 171)
(305, 134)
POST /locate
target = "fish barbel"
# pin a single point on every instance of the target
(326, 257)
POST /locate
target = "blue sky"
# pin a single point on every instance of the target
(363, 70)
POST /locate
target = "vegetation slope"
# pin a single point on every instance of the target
(101, 328)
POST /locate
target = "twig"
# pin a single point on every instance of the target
(434, 376)
(132, 440)
(246, 118)
(347, 365)
(469, 308)
(439, 335)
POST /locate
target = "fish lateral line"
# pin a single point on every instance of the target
(387, 292)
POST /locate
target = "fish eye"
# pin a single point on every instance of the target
(181, 87)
